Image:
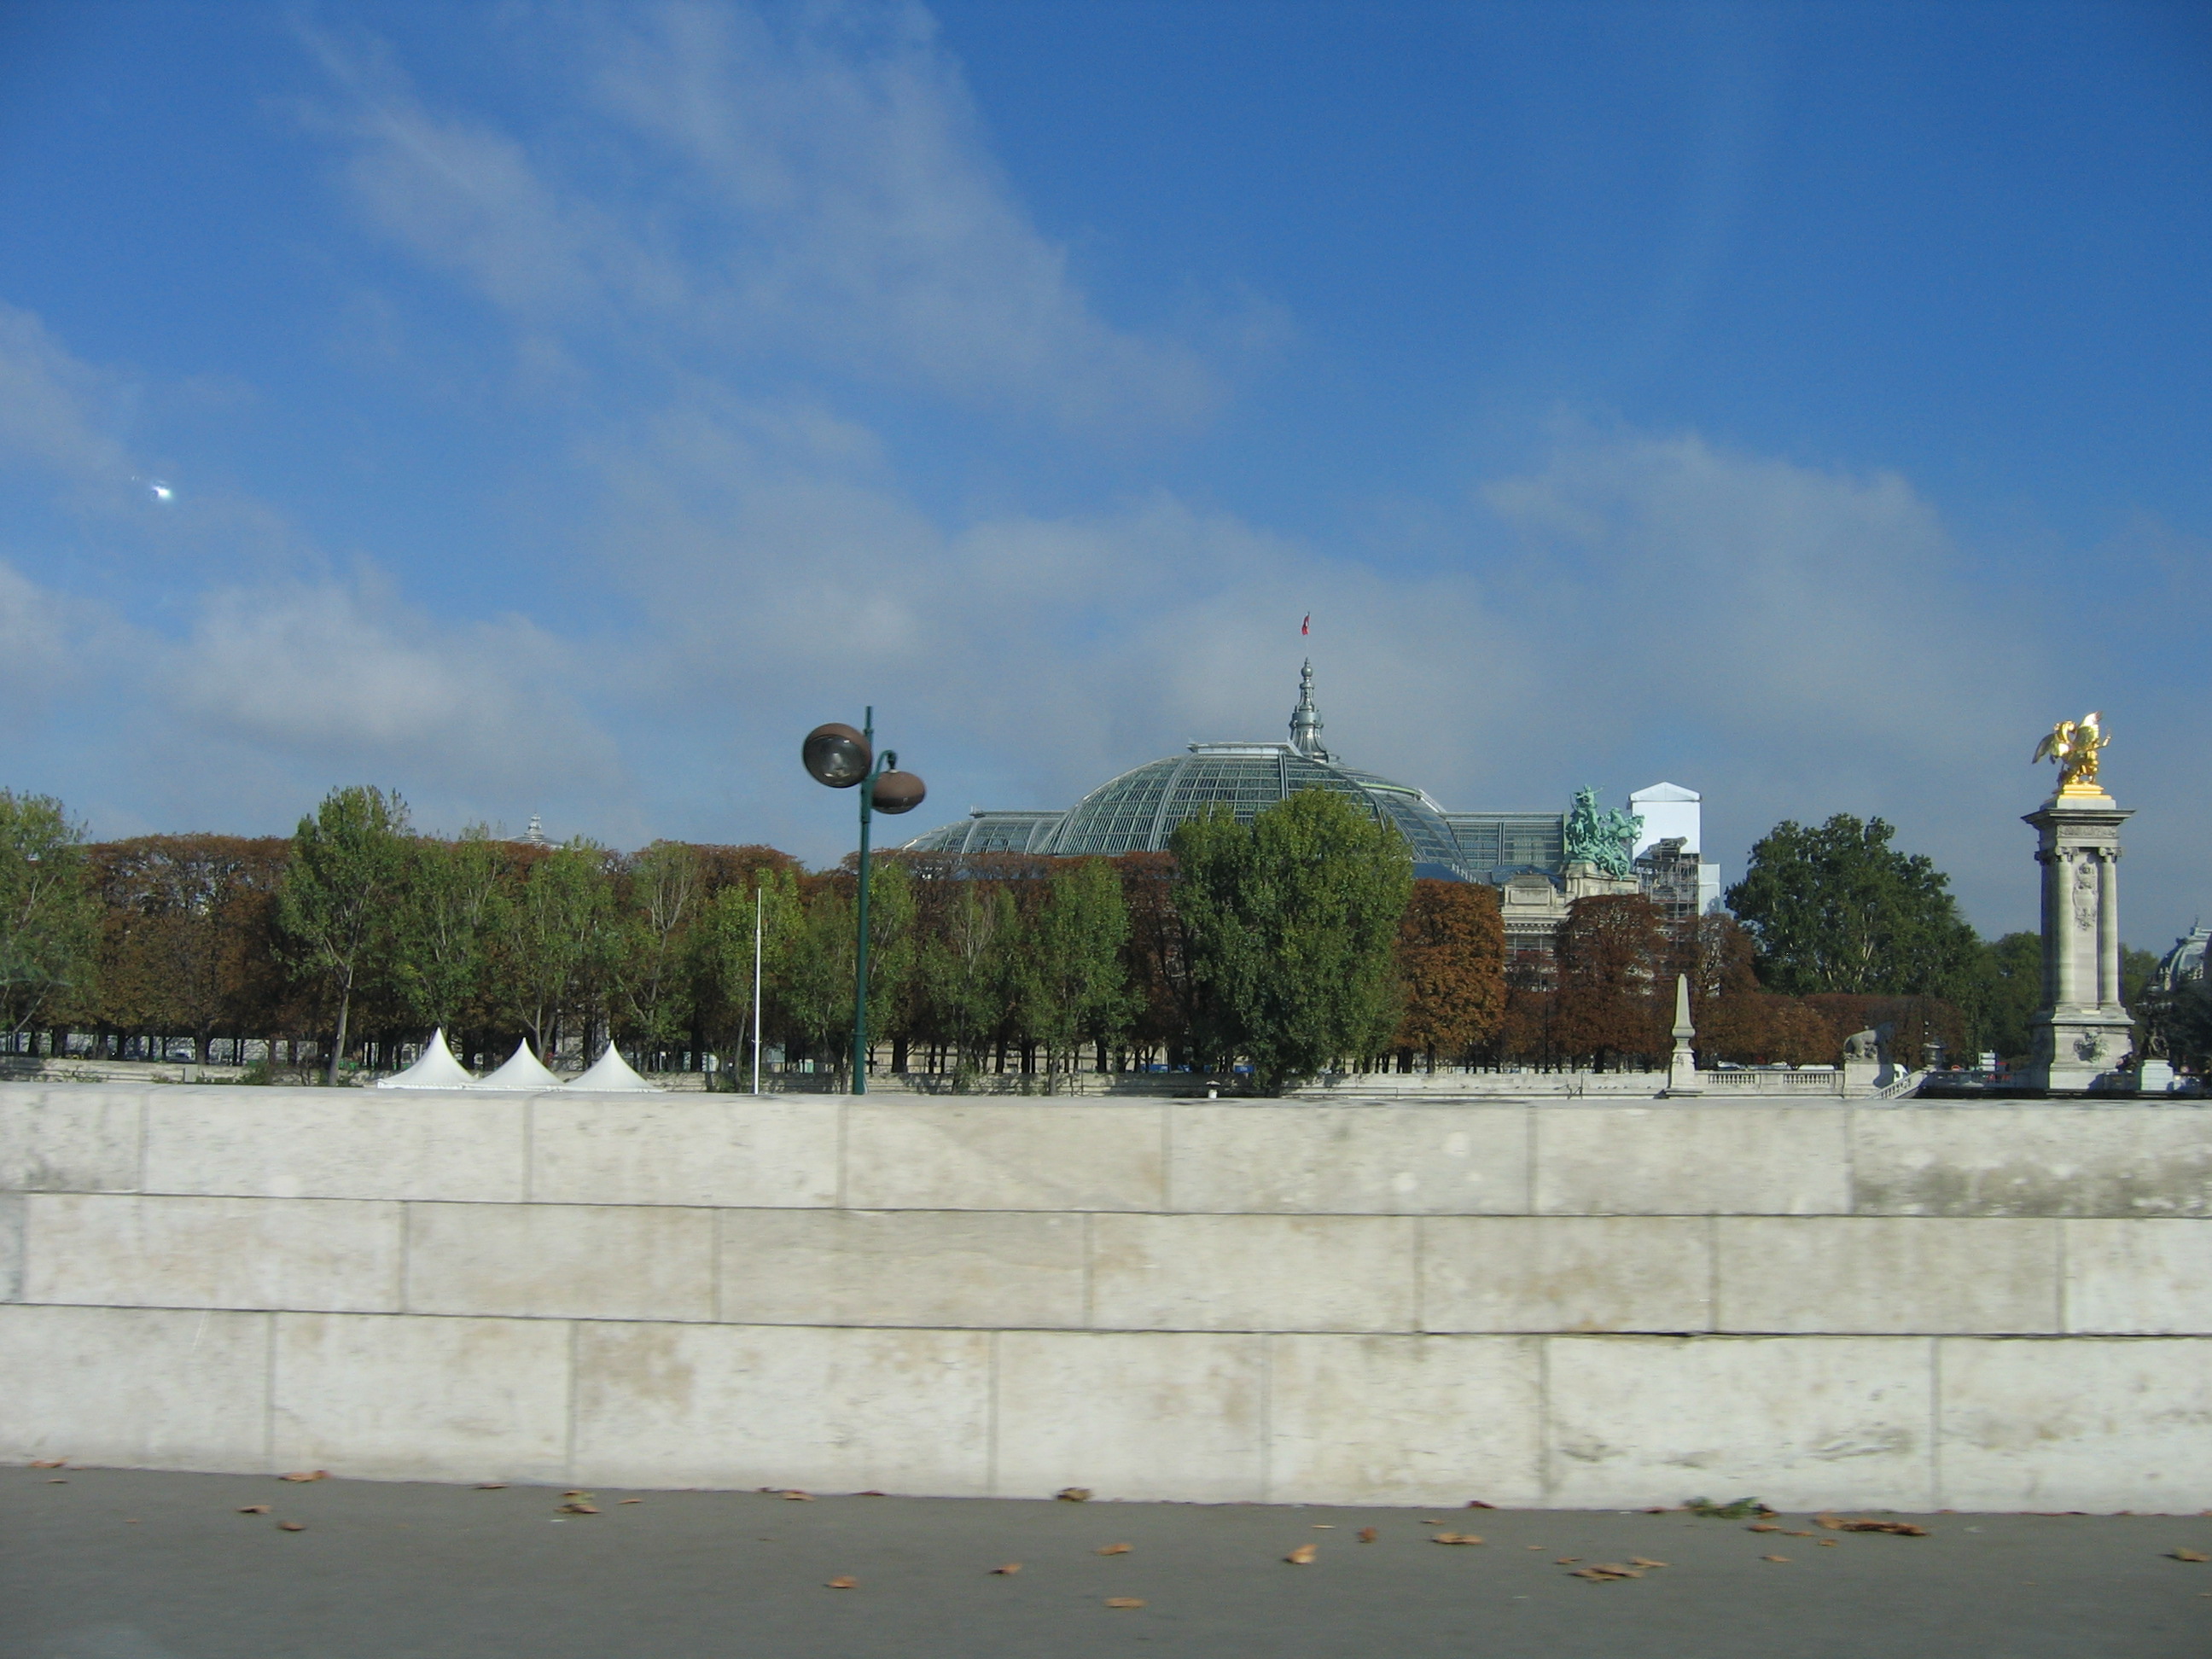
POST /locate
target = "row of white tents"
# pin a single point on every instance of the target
(610, 1073)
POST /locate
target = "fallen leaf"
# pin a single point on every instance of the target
(632, 1500)
(1643, 1561)
(1539, 1548)
(1073, 1494)
(1454, 1538)
(1796, 1534)
(1114, 1549)
(1477, 1503)
(1302, 1555)
(491, 1485)
(578, 1509)
(1774, 1558)
(2190, 1555)
(795, 1496)
(1605, 1572)
(1566, 1560)
(1009, 1569)
(1123, 1601)
(58, 1481)
(1762, 1526)
(1827, 1544)
(870, 1494)
(1841, 1523)
(1433, 1520)
(1368, 1534)
(842, 1584)
(51, 1463)
(129, 1520)
(1741, 1508)
(1618, 1569)
(255, 1509)
(291, 1526)
(1324, 1526)
(1660, 1509)
(306, 1474)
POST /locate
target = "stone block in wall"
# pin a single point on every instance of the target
(1031, 1155)
(713, 1150)
(11, 1247)
(2035, 1159)
(339, 1255)
(1566, 1273)
(77, 1138)
(561, 1260)
(749, 1405)
(1178, 1416)
(1881, 1275)
(1405, 1419)
(2138, 1277)
(1676, 1159)
(1348, 1160)
(2079, 1424)
(1252, 1273)
(942, 1267)
(336, 1142)
(134, 1388)
(1803, 1422)
(388, 1397)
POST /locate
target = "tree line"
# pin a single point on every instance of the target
(1296, 943)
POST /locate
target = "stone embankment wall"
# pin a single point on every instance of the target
(1564, 1303)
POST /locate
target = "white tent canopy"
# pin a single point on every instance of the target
(521, 1072)
(437, 1069)
(610, 1073)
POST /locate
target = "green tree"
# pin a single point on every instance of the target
(654, 976)
(49, 914)
(442, 923)
(2003, 992)
(1839, 908)
(1074, 986)
(554, 935)
(347, 863)
(1292, 924)
(965, 972)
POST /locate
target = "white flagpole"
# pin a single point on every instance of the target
(756, 982)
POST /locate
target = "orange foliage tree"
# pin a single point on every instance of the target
(1452, 965)
(1613, 950)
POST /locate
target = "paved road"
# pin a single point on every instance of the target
(118, 1564)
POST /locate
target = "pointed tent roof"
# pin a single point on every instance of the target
(522, 1071)
(436, 1069)
(608, 1074)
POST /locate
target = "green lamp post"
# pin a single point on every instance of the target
(837, 756)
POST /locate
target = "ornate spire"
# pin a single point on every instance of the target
(1305, 718)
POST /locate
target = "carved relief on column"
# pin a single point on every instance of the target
(2069, 919)
(2108, 926)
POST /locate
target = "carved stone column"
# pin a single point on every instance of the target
(2082, 1031)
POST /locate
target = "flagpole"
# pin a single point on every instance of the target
(757, 986)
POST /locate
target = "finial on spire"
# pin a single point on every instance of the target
(1305, 718)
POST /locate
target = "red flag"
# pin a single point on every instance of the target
(1306, 627)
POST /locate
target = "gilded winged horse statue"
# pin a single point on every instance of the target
(2074, 744)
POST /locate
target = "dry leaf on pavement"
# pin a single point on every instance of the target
(1302, 1555)
(1762, 1526)
(1787, 1534)
(632, 1500)
(1368, 1534)
(1566, 1560)
(1454, 1538)
(795, 1496)
(1477, 1503)
(2190, 1555)
(306, 1474)
(56, 1481)
(1643, 1561)
(1774, 1558)
(1073, 1494)
(1841, 1523)
(579, 1509)
(51, 1463)
(1605, 1572)
(491, 1485)
(842, 1584)
(1009, 1569)
(1114, 1549)
(255, 1509)
(291, 1526)
(1123, 1601)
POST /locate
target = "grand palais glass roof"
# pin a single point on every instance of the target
(1138, 811)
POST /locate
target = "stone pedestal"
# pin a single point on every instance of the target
(2082, 1031)
(1682, 1077)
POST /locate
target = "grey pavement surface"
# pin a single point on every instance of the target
(128, 1565)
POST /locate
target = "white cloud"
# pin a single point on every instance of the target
(49, 405)
(821, 189)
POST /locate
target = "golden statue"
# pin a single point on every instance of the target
(2074, 744)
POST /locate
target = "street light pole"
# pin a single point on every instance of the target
(840, 757)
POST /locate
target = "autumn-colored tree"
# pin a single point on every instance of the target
(1165, 999)
(1613, 950)
(1452, 969)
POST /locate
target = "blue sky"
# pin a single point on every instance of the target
(563, 408)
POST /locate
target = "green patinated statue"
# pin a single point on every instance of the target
(1605, 840)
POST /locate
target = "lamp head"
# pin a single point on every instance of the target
(836, 755)
(898, 791)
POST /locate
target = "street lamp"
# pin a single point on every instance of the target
(837, 756)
